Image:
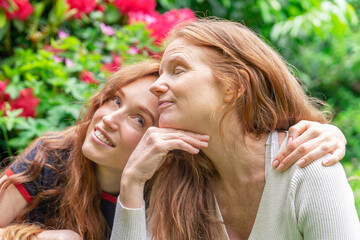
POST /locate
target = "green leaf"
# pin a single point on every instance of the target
(3, 30)
(2, 18)
(19, 25)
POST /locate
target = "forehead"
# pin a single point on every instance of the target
(181, 49)
(140, 86)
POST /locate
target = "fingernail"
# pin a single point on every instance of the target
(326, 161)
(281, 167)
(275, 163)
(301, 163)
(289, 140)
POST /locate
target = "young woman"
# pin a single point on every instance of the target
(219, 79)
(67, 182)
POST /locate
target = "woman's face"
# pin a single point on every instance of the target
(118, 125)
(187, 91)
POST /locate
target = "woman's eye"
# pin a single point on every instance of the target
(140, 120)
(117, 101)
(178, 71)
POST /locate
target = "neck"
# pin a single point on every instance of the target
(109, 179)
(238, 158)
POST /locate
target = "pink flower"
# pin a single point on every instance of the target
(49, 48)
(69, 63)
(21, 11)
(144, 6)
(82, 6)
(62, 34)
(133, 51)
(114, 65)
(161, 25)
(27, 101)
(58, 59)
(107, 30)
(88, 77)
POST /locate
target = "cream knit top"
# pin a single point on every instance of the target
(314, 202)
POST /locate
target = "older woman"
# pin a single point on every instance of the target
(217, 78)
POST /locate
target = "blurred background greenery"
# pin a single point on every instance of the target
(56, 53)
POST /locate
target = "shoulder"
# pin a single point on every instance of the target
(316, 173)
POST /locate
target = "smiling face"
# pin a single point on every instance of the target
(118, 125)
(188, 94)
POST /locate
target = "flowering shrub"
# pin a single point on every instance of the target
(82, 7)
(161, 24)
(57, 53)
(17, 9)
(143, 6)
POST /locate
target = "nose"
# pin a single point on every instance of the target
(159, 87)
(112, 120)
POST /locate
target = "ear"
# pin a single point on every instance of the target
(230, 94)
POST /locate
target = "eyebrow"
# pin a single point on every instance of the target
(172, 59)
(142, 108)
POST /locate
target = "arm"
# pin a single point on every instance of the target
(147, 157)
(309, 141)
(129, 223)
(12, 203)
(324, 203)
(32, 231)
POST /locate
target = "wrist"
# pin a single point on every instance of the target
(131, 192)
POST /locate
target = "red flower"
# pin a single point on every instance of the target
(21, 11)
(82, 6)
(4, 97)
(101, 8)
(88, 77)
(144, 6)
(114, 65)
(161, 25)
(27, 101)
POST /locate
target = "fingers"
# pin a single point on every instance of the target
(334, 157)
(305, 153)
(195, 141)
(301, 127)
(289, 154)
(172, 139)
(308, 141)
(179, 144)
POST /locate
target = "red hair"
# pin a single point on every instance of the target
(266, 96)
(79, 193)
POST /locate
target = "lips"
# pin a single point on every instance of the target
(164, 104)
(101, 136)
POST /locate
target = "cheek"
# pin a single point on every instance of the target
(132, 139)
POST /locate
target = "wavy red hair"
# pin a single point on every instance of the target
(79, 193)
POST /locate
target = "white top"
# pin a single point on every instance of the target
(314, 202)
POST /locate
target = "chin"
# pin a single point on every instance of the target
(166, 122)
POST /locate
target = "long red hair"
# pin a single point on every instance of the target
(78, 194)
(266, 96)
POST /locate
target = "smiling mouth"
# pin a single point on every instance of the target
(163, 105)
(102, 138)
